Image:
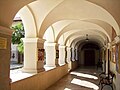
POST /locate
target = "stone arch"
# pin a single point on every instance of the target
(59, 14)
(78, 40)
(50, 34)
(67, 35)
(10, 11)
(83, 25)
(28, 20)
(75, 38)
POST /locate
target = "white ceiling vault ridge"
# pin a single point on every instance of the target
(64, 21)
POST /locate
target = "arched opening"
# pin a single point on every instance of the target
(17, 48)
(89, 54)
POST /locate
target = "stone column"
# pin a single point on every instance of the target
(61, 55)
(73, 54)
(103, 59)
(68, 54)
(50, 49)
(76, 54)
(5, 46)
(31, 62)
(107, 59)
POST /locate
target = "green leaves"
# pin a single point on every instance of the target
(17, 35)
(21, 47)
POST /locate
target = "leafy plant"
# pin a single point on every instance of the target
(21, 47)
(17, 35)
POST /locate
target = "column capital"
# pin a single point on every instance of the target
(29, 40)
(62, 46)
(68, 48)
(108, 46)
(50, 43)
(103, 48)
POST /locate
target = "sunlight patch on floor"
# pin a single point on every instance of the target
(17, 75)
(84, 75)
(84, 83)
(67, 89)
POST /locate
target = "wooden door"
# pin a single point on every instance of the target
(89, 58)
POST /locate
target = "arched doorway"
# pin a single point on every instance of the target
(90, 54)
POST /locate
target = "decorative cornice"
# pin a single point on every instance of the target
(50, 44)
(33, 40)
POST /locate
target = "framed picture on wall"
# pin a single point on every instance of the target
(57, 54)
(40, 54)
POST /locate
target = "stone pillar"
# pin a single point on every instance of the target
(31, 62)
(106, 62)
(76, 54)
(61, 55)
(103, 59)
(50, 49)
(68, 54)
(107, 59)
(73, 54)
(5, 46)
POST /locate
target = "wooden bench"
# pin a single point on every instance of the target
(106, 79)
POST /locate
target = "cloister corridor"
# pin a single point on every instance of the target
(59, 44)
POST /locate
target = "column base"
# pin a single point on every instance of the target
(66, 61)
(39, 68)
(62, 64)
(48, 67)
(30, 70)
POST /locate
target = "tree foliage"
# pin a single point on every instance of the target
(17, 35)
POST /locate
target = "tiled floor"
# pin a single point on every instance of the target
(80, 79)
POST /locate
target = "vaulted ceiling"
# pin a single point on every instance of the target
(64, 21)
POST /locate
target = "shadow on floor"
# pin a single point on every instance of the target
(83, 78)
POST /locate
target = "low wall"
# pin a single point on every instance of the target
(42, 80)
(74, 65)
